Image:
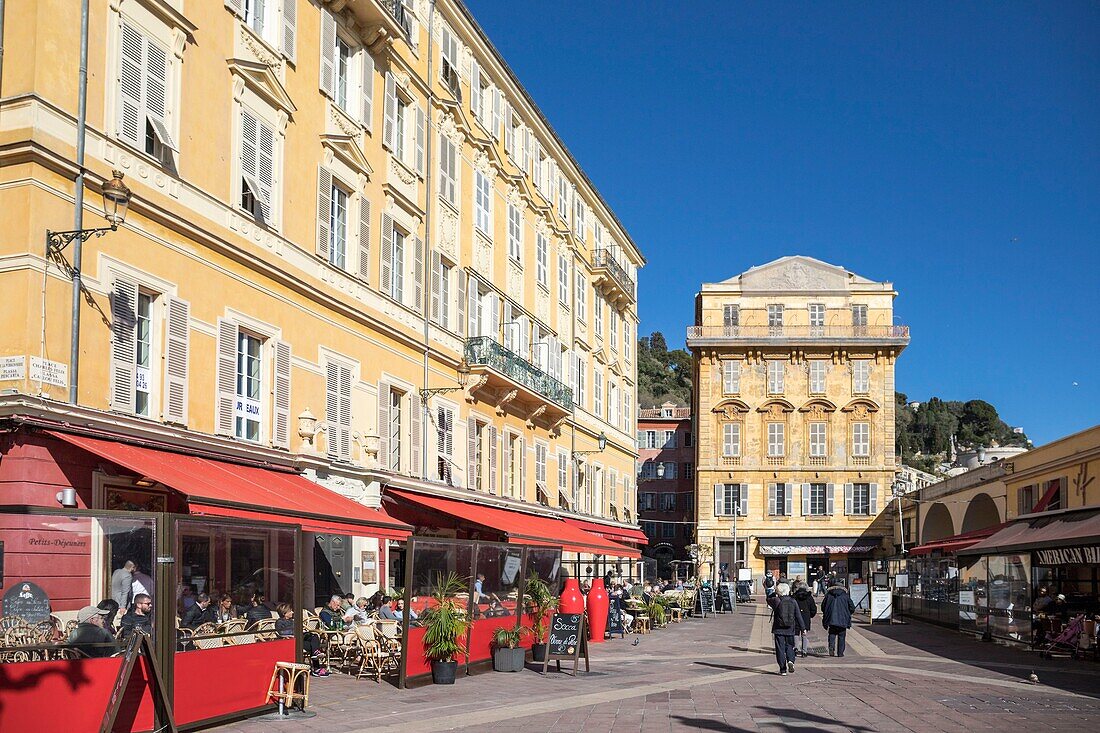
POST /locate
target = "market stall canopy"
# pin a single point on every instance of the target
(222, 489)
(817, 545)
(955, 543)
(611, 532)
(518, 527)
(1076, 528)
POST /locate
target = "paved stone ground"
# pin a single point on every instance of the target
(719, 674)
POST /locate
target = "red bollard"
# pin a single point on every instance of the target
(597, 611)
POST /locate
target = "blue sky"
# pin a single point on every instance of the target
(952, 148)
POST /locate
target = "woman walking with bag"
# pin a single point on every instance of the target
(806, 603)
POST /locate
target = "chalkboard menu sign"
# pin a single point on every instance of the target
(27, 601)
(139, 645)
(566, 639)
(725, 597)
(704, 601)
(615, 619)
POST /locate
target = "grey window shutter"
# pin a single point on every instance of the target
(366, 115)
(744, 509)
(324, 211)
(805, 500)
(459, 324)
(328, 52)
(847, 499)
(280, 430)
(471, 453)
(772, 508)
(227, 376)
(874, 500)
(788, 490)
(494, 466)
(123, 344)
(385, 274)
(719, 504)
(421, 132)
(384, 425)
(364, 237)
(345, 413)
(176, 361)
(418, 275)
(829, 490)
(437, 285)
(290, 28)
(415, 421)
(389, 124)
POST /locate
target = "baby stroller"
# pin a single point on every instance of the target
(1068, 642)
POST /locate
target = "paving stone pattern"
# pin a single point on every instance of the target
(719, 674)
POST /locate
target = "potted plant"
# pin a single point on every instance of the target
(540, 604)
(445, 625)
(508, 655)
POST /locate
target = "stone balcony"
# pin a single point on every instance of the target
(612, 280)
(698, 336)
(510, 382)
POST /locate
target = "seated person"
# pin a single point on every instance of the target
(332, 615)
(311, 643)
(480, 596)
(199, 612)
(257, 610)
(348, 601)
(89, 633)
(385, 611)
(139, 617)
(399, 611)
(496, 609)
(224, 611)
(110, 608)
(359, 613)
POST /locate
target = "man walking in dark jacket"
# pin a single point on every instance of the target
(836, 616)
(808, 606)
(787, 621)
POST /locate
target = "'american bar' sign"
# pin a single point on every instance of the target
(1069, 556)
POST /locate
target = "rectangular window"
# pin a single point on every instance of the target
(689, 471)
(144, 363)
(861, 376)
(542, 260)
(540, 465)
(817, 315)
(668, 530)
(483, 203)
(861, 439)
(776, 370)
(257, 167)
(779, 500)
(448, 170)
(400, 129)
(393, 461)
(818, 446)
(563, 279)
(597, 311)
(338, 411)
(670, 439)
(563, 198)
(728, 500)
(818, 369)
(775, 318)
(254, 15)
(445, 295)
(648, 501)
(861, 499)
(343, 71)
(247, 407)
(582, 294)
(445, 443)
(668, 502)
(731, 316)
(143, 95)
(597, 392)
(688, 439)
(578, 217)
(397, 281)
(818, 500)
(338, 228)
(628, 341)
(515, 233)
(651, 438)
(614, 329)
(670, 470)
(777, 439)
(731, 440)
(731, 376)
(859, 315)
(563, 472)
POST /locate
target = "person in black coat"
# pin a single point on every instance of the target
(199, 613)
(258, 609)
(787, 621)
(806, 603)
(836, 616)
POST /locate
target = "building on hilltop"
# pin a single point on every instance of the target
(666, 486)
(794, 399)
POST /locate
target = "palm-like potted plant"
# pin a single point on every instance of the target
(540, 604)
(508, 655)
(445, 625)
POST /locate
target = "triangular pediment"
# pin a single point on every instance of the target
(797, 272)
(347, 149)
(262, 80)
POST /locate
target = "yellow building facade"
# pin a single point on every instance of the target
(794, 394)
(335, 206)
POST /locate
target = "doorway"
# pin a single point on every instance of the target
(331, 567)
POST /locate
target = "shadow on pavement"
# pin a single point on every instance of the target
(733, 668)
(788, 718)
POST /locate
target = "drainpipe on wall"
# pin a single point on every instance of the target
(78, 206)
(426, 256)
(1, 49)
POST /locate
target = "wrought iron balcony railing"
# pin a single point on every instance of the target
(398, 11)
(603, 259)
(823, 333)
(485, 351)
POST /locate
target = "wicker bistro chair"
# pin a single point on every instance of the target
(389, 640)
(265, 629)
(369, 655)
(205, 637)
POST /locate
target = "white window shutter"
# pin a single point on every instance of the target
(772, 507)
(328, 53)
(497, 101)
(385, 273)
(280, 408)
(805, 500)
(475, 88)
(719, 503)
(364, 237)
(290, 29)
(227, 376)
(324, 210)
(493, 460)
(829, 489)
(421, 132)
(176, 360)
(389, 123)
(493, 304)
(131, 108)
(418, 275)
(471, 308)
(471, 452)
(522, 443)
(415, 421)
(847, 499)
(458, 324)
(345, 413)
(367, 87)
(123, 299)
(506, 462)
(384, 425)
(236, 6)
(156, 91)
(744, 496)
(788, 490)
(437, 286)
(874, 500)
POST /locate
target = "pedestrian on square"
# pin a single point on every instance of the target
(836, 616)
(769, 585)
(808, 606)
(787, 621)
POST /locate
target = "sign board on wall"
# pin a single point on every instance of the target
(13, 368)
(1089, 555)
(49, 372)
(882, 605)
(369, 571)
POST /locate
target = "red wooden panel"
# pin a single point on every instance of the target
(212, 682)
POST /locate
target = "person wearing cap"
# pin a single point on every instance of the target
(89, 636)
(1059, 609)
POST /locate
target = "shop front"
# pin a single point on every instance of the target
(820, 559)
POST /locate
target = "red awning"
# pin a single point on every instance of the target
(616, 534)
(518, 527)
(950, 545)
(221, 489)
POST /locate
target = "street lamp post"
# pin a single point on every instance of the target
(116, 202)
